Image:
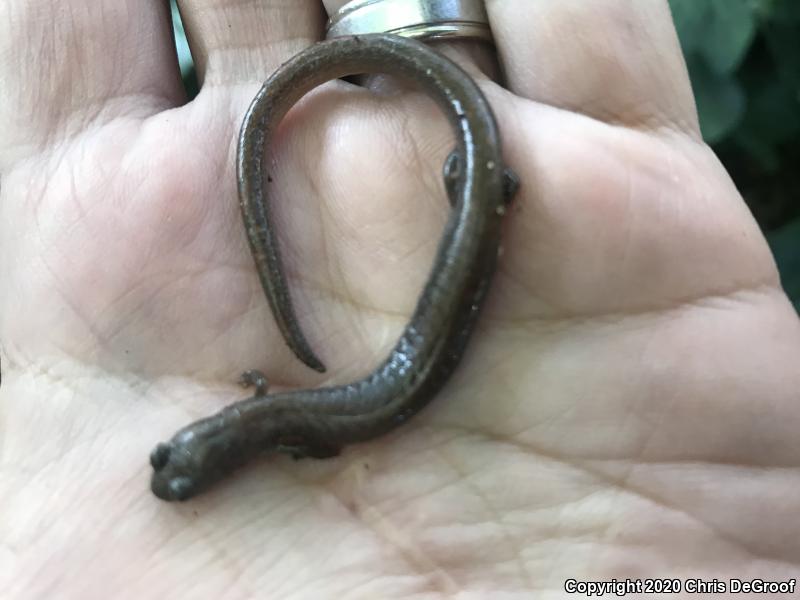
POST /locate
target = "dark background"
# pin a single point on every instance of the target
(744, 62)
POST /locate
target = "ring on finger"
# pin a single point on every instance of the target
(423, 20)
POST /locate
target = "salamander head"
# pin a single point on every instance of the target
(195, 458)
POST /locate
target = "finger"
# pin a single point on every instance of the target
(476, 56)
(243, 41)
(66, 66)
(618, 61)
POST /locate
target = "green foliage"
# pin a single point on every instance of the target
(744, 62)
(184, 53)
(715, 35)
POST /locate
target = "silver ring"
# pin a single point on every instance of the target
(434, 19)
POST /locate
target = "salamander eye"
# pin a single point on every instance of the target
(180, 488)
(159, 457)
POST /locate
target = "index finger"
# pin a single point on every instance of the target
(66, 66)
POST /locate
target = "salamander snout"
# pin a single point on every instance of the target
(197, 456)
(171, 480)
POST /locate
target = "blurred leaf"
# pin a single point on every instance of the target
(763, 9)
(181, 45)
(721, 30)
(690, 18)
(731, 26)
(720, 100)
(188, 73)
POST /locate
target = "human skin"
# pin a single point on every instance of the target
(628, 405)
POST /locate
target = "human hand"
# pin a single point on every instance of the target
(626, 408)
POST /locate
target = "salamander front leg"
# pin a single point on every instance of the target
(254, 378)
(452, 172)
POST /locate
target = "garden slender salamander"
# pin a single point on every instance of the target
(318, 422)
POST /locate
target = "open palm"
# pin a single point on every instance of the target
(628, 406)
